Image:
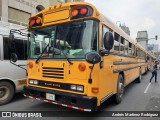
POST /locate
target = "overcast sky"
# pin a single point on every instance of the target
(138, 15)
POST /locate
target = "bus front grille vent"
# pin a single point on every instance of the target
(51, 72)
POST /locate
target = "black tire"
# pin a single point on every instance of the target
(6, 92)
(120, 90)
(138, 80)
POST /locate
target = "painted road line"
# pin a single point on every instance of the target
(147, 88)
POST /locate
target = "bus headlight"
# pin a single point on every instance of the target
(33, 82)
(30, 81)
(80, 88)
(73, 87)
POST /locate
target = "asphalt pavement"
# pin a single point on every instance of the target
(144, 96)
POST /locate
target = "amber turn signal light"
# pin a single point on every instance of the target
(38, 20)
(30, 64)
(74, 12)
(95, 90)
(82, 67)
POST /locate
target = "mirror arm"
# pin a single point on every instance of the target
(22, 65)
(19, 66)
(90, 76)
(104, 52)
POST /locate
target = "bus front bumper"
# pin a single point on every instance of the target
(75, 101)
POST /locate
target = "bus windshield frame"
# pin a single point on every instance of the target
(73, 39)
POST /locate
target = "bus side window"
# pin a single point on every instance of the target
(140, 53)
(133, 50)
(122, 45)
(105, 29)
(137, 52)
(95, 38)
(116, 42)
(126, 47)
(130, 48)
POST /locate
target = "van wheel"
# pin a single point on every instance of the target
(6, 92)
(120, 90)
(138, 80)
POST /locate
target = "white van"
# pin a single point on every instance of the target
(12, 78)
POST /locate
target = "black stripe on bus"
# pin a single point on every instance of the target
(125, 69)
(125, 63)
(106, 97)
(52, 77)
(52, 68)
(124, 55)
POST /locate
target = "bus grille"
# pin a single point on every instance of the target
(51, 72)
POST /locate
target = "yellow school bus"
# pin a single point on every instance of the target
(77, 58)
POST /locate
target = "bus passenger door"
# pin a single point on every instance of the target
(107, 79)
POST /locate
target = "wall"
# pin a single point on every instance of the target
(27, 6)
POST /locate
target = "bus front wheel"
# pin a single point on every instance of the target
(120, 89)
(6, 92)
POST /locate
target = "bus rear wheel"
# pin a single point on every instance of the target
(6, 92)
(120, 90)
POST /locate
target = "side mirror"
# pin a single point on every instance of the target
(108, 41)
(93, 57)
(14, 57)
(11, 37)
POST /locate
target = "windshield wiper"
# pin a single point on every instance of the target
(42, 53)
(67, 58)
(65, 55)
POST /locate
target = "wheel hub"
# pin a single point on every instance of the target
(121, 89)
(4, 92)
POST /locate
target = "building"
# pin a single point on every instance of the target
(153, 47)
(125, 29)
(142, 39)
(156, 47)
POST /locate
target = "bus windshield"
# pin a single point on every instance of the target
(72, 39)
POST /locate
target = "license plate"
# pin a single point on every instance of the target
(50, 96)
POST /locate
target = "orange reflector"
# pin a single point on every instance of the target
(30, 64)
(32, 22)
(74, 12)
(95, 90)
(38, 20)
(83, 11)
(82, 67)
